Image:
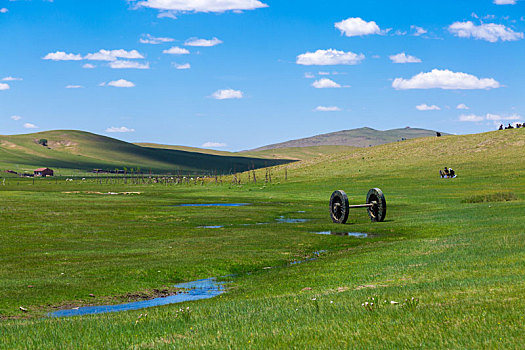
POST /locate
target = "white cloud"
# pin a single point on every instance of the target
(505, 2)
(88, 66)
(182, 66)
(327, 109)
(121, 64)
(227, 94)
(120, 83)
(213, 144)
(113, 55)
(4, 10)
(470, 118)
(11, 79)
(462, 106)
(74, 87)
(329, 57)
(202, 5)
(16, 117)
(62, 56)
(488, 116)
(202, 42)
(4, 86)
(325, 83)
(30, 126)
(167, 14)
(357, 27)
(404, 58)
(150, 39)
(425, 107)
(418, 31)
(487, 31)
(445, 79)
(175, 50)
(119, 129)
(323, 73)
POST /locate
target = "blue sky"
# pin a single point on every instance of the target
(237, 74)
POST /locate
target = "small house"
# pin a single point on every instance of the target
(43, 172)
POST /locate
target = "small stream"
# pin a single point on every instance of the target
(195, 290)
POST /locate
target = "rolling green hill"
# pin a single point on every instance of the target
(295, 153)
(362, 137)
(83, 151)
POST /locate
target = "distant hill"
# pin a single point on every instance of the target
(292, 153)
(362, 137)
(73, 150)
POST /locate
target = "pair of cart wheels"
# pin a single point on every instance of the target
(375, 205)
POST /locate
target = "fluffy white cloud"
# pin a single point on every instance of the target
(182, 66)
(445, 79)
(325, 84)
(418, 31)
(3, 10)
(202, 5)
(11, 79)
(505, 2)
(175, 50)
(30, 126)
(4, 86)
(88, 66)
(119, 83)
(404, 58)
(329, 57)
(309, 75)
(357, 27)
(119, 129)
(62, 56)
(425, 107)
(121, 64)
(227, 94)
(488, 116)
(462, 106)
(202, 42)
(487, 31)
(113, 55)
(470, 118)
(16, 117)
(327, 109)
(213, 144)
(74, 87)
(150, 39)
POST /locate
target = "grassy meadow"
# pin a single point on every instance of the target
(445, 270)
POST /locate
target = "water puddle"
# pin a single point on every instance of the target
(195, 290)
(217, 226)
(284, 220)
(212, 205)
(351, 234)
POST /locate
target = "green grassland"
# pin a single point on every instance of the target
(70, 152)
(295, 153)
(457, 246)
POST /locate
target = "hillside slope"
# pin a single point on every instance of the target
(84, 151)
(293, 153)
(362, 137)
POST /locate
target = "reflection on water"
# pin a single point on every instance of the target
(352, 234)
(195, 290)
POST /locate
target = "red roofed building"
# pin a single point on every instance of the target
(43, 172)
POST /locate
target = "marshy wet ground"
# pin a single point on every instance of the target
(190, 291)
(351, 234)
(212, 205)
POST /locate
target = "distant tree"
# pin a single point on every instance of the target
(43, 142)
